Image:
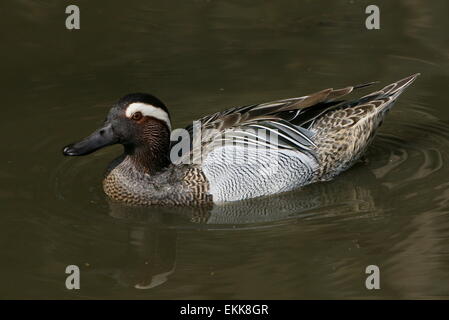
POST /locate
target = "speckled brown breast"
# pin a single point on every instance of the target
(178, 185)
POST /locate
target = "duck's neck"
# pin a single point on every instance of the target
(149, 158)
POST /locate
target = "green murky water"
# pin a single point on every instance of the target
(199, 57)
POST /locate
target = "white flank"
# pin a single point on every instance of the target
(148, 110)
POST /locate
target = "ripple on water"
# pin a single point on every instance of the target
(413, 162)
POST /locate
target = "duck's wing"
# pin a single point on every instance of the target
(286, 157)
(285, 121)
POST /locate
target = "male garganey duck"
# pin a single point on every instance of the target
(240, 153)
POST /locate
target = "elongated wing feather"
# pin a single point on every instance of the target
(286, 121)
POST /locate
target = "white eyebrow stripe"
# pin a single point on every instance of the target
(148, 110)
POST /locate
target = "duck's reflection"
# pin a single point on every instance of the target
(150, 257)
(152, 241)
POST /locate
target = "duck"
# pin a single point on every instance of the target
(241, 153)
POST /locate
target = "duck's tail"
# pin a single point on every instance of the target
(390, 93)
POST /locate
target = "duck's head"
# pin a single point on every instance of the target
(138, 121)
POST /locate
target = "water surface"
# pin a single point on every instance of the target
(390, 210)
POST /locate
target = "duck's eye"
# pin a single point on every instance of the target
(137, 116)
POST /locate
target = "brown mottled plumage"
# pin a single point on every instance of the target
(344, 133)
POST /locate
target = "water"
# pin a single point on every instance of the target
(199, 57)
